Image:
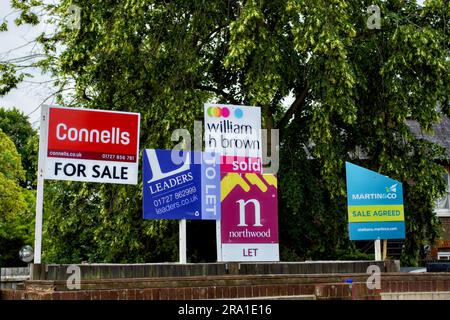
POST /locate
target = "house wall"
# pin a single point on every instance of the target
(444, 243)
(445, 227)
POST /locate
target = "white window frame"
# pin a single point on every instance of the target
(444, 255)
(445, 212)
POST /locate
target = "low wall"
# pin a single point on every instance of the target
(10, 278)
(320, 286)
(416, 296)
(281, 280)
(120, 271)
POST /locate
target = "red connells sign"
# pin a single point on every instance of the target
(92, 145)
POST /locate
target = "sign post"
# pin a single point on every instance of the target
(218, 241)
(182, 241)
(40, 185)
(84, 145)
(377, 245)
(375, 207)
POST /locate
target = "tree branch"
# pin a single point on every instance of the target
(293, 109)
(219, 92)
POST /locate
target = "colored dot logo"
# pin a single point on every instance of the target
(218, 112)
(224, 112)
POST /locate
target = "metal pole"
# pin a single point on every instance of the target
(219, 241)
(40, 185)
(182, 240)
(377, 250)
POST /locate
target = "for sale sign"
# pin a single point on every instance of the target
(249, 217)
(91, 145)
(235, 133)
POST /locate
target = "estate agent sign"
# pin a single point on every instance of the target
(92, 145)
(375, 205)
(235, 133)
(180, 185)
(249, 230)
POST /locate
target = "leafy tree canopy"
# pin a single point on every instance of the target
(353, 89)
(16, 204)
(17, 126)
(11, 172)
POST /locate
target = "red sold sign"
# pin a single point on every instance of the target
(92, 145)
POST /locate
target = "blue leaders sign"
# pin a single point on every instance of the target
(181, 185)
(375, 205)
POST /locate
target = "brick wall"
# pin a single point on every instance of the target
(445, 242)
(320, 287)
(440, 245)
(446, 228)
(340, 291)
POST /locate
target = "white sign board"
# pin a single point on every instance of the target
(234, 132)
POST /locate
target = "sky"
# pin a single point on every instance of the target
(15, 43)
(31, 93)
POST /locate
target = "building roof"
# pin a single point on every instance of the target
(441, 134)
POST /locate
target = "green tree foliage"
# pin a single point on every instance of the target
(11, 173)
(99, 223)
(17, 126)
(353, 89)
(16, 204)
(8, 78)
(18, 162)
